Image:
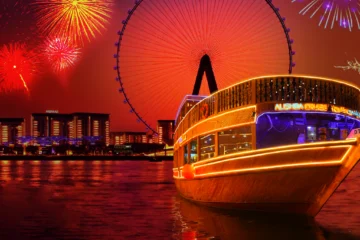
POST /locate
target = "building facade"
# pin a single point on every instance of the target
(91, 125)
(11, 129)
(118, 138)
(165, 129)
(75, 127)
(50, 125)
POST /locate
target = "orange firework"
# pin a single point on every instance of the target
(77, 19)
(17, 66)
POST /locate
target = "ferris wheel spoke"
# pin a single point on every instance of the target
(141, 70)
(158, 95)
(248, 30)
(155, 79)
(150, 35)
(149, 38)
(178, 22)
(159, 53)
(250, 43)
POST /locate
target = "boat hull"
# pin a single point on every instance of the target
(297, 179)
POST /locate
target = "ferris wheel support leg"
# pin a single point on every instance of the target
(205, 66)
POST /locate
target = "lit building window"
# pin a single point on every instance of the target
(96, 128)
(122, 140)
(117, 140)
(144, 139)
(56, 128)
(107, 133)
(19, 131)
(78, 129)
(71, 130)
(35, 129)
(5, 134)
(160, 135)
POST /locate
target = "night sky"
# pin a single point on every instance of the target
(91, 87)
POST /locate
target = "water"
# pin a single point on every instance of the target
(138, 200)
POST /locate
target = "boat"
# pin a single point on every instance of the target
(274, 144)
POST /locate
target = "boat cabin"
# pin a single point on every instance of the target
(264, 112)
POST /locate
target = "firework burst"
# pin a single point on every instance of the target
(345, 13)
(77, 19)
(61, 53)
(355, 65)
(17, 66)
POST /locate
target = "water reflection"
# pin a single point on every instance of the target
(19, 170)
(133, 200)
(5, 172)
(202, 222)
(35, 175)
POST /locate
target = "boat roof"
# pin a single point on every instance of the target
(255, 87)
(188, 98)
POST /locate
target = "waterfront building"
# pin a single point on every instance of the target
(75, 127)
(50, 124)
(11, 129)
(91, 125)
(118, 138)
(165, 129)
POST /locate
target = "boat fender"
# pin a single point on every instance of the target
(188, 171)
(204, 110)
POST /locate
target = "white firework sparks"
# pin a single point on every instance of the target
(344, 12)
(355, 65)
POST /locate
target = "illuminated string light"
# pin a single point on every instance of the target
(271, 167)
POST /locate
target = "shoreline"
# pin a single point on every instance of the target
(76, 157)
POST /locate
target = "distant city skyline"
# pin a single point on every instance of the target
(77, 127)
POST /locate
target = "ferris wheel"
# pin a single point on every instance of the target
(162, 42)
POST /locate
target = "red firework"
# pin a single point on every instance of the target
(17, 66)
(61, 53)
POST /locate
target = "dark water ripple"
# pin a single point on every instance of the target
(138, 200)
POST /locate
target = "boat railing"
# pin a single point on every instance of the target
(281, 89)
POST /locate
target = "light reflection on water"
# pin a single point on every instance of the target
(138, 200)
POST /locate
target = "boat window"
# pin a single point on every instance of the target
(193, 151)
(235, 140)
(180, 156)
(311, 134)
(207, 146)
(276, 129)
(185, 154)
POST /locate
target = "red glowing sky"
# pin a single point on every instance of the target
(91, 86)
